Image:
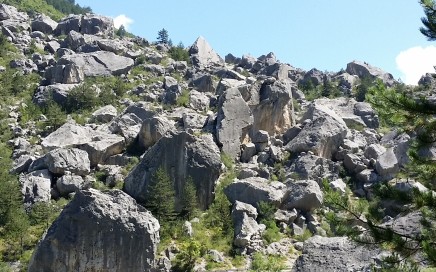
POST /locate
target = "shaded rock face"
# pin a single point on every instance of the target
(202, 54)
(363, 69)
(233, 121)
(334, 254)
(99, 232)
(181, 155)
(274, 112)
(152, 130)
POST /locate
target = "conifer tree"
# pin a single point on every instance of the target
(162, 36)
(189, 198)
(161, 195)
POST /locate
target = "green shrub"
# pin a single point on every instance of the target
(183, 99)
(262, 262)
(179, 53)
(190, 253)
(228, 161)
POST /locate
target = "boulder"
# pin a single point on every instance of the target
(387, 164)
(35, 187)
(254, 190)
(181, 155)
(72, 160)
(202, 54)
(305, 195)
(101, 63)
(198, 101)
(323, 135)
(115, 46)
(245, 229)
(153, 129)
(86, 24)
(233, 120)
(334, 254)
(69, 184)
(374, 151)
(75, 40)
(309, 166)
(70, 23)
(172, 90)
(44, 24)
(274, 112)
(104, 231)
(364, 70)
(105, 114)
(203, 83)
(65, 74)
(285, 216)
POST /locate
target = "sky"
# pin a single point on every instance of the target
(322, 34)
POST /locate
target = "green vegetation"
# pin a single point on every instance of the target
(162, 36)
(263, 262)
(179, 53)
(183, 99)
(161, 195)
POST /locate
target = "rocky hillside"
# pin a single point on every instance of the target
(94, 125)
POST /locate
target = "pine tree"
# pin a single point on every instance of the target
(189, 199)
(161, 195)
(162, 36)
(429, 21)
(121, 31)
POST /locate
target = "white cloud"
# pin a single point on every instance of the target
(123, 20)
(415, 62)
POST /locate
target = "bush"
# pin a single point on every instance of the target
(183, 99)
(179, 53)
(262, 262)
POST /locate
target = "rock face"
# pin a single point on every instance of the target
(152, 130)
(234, 119)
(86, 24)
(363, 69)
(202, 53)
(44, 24)
(101, 63)
(35, 187)
(99, 232)
(182, 155)
(323, 135)
(334, 254)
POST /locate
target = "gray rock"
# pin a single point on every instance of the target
(202, 54)
(234, 118)
(35, 187)
(334, 254)
(65, 74)
(153, 129)
(198, 101)
(216, 256)
(285, 216)
(374, 151)
(70, 23)
(254, 190)
(368, 176)
(203, 83)
(69, 184)
(75, 40)
(309, 166)
(101, 63)
(323, 135)
(304, 195)
(387, 164)
(44, 24)
(241, 208)
(105, 231)
(353, 163)
(110, 45)
(363, 70)
(21, 164)
(72, 160)
(172, 90)
(198, 158)
(193, 120)
(105, 114)
(187, 228)
(248, 151)
(274, 113)
(338, 185)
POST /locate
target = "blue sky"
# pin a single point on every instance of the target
(325, 34)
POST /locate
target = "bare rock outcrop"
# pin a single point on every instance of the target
(99, 232)
(202, 54)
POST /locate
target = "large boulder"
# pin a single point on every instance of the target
(334, 254)
(181, 155)
(387, 164)
(86, 24)
(69, 184)
(364, 70)
(153, 129)
(72, 160)
(44, 24)
(274, 112)
(323, 135)
(98, 144)
(99, 232)
(202, 54)
(309, 166)
(305, 195)
(35, 187)
(254, 190)
(101, 63)
(233, 121)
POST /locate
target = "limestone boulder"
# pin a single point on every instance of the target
(181, 155)
(387, 164)
(72, 160)
(104, 231)
(104, 114)
(305, 195)
(323, 135)
(69, 184)
(233, 121)
(35, 187)
(334, 254)
(363, 70)
(202, 54)
(153, 129)
(44, 24)
(254, 190)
